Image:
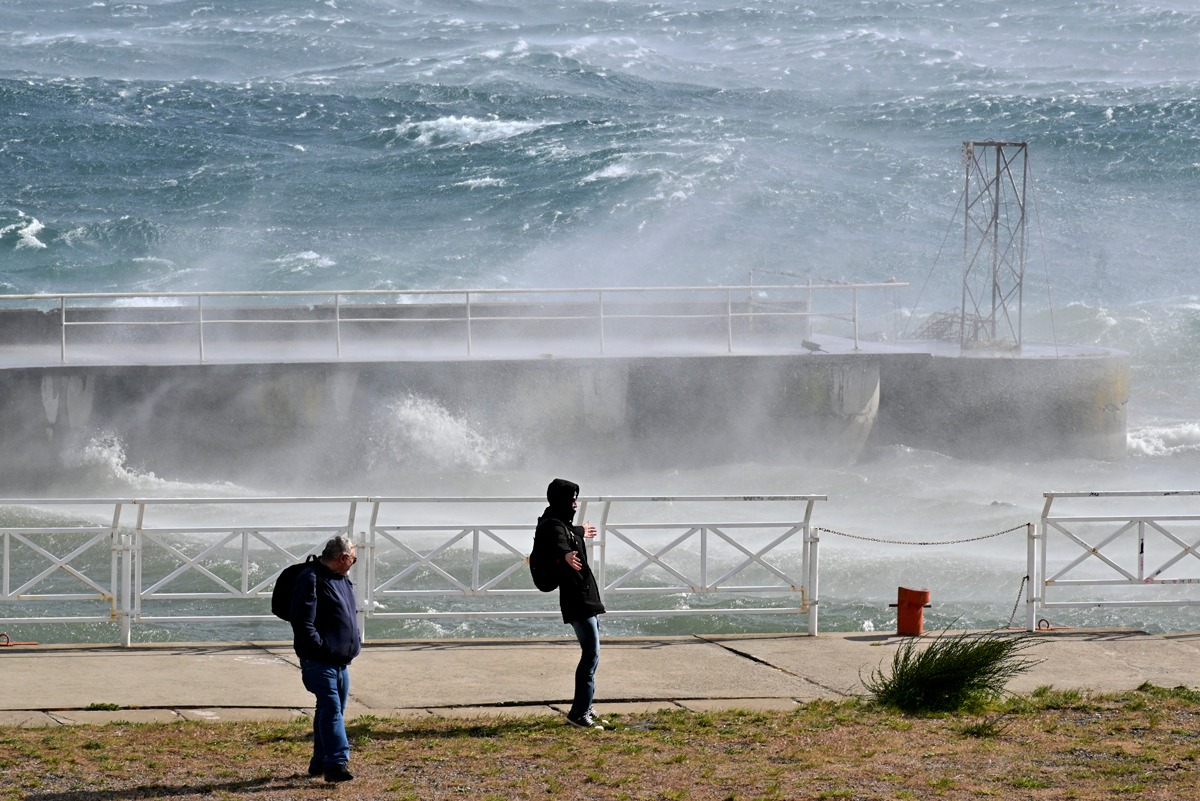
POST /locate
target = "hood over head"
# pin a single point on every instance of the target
(561, 495)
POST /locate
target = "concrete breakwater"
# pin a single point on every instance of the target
(274, 403)
(175, 420)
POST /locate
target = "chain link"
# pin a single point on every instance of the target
(909, 542)
(1017, 603)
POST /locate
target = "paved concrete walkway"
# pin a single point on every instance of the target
(55, 685)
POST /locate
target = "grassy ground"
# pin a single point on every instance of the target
(1049, 745)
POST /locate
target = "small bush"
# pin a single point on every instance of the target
(951, 672)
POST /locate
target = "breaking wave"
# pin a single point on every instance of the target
(418, 431)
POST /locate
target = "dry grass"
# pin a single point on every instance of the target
(1050, 745)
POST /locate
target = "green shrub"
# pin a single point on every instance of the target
(950, 672)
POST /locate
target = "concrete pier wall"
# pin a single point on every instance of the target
(989, 407)
(222, 421)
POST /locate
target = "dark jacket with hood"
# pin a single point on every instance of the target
(578, 593)
(325, 616)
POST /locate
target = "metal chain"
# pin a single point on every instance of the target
(908, 542)
(1017, 603)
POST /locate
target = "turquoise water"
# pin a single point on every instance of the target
(359, 145)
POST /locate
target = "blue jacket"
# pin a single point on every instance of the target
(325, 617)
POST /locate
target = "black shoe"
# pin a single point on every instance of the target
(338, 773)
(585, 722)
(315, 769)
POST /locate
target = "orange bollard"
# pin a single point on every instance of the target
(910, 611)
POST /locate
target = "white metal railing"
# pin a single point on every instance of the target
(1146, 552)
(189, 560)
(191, 322)
(69, 561)
(825, 287)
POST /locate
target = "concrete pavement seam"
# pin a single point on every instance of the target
(765, 663)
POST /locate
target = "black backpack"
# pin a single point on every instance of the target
(543, 561)
(285, 585)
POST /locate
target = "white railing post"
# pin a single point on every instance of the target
(62, 324)
(135, 583)
(121, 579)
(200, 323)
(337, 322)
(854, 313)
(1037, 595)
(370, 545)
(467, 306)
(729, 321)
(361, 571)
(1032, 578)
(600, 303)
(812, 541)
(1141, 550)
(602, 543)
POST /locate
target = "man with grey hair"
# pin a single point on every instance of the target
(326, 638)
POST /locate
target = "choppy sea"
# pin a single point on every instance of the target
(369, 144)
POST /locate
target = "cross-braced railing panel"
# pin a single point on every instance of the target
(663, 557)
(225, 567)
(231, 564)
(455, 560)
(1137, 551)
(57, 564)
(1117, 559)
(1092, 548)
(67, 563)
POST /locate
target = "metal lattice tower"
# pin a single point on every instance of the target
(993, 243)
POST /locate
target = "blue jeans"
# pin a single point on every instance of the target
(587, 631)
(331, 686)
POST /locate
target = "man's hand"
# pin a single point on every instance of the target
(573, 561)
(589, 530)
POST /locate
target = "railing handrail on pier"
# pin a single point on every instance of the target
(236, 553)
(211, 313)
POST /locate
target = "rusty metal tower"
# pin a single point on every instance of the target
(993, 243)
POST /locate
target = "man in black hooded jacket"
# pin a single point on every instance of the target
(578, 593)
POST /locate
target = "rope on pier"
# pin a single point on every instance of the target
(5, 640)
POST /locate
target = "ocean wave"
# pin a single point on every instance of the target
(24, 233)
(1154, 331)
(419, 431)
(126, 233)
(1164, 440)
(100, 467)
(481, 183)
(454, 130)
(306, 263)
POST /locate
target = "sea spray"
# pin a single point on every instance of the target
(417, 433)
